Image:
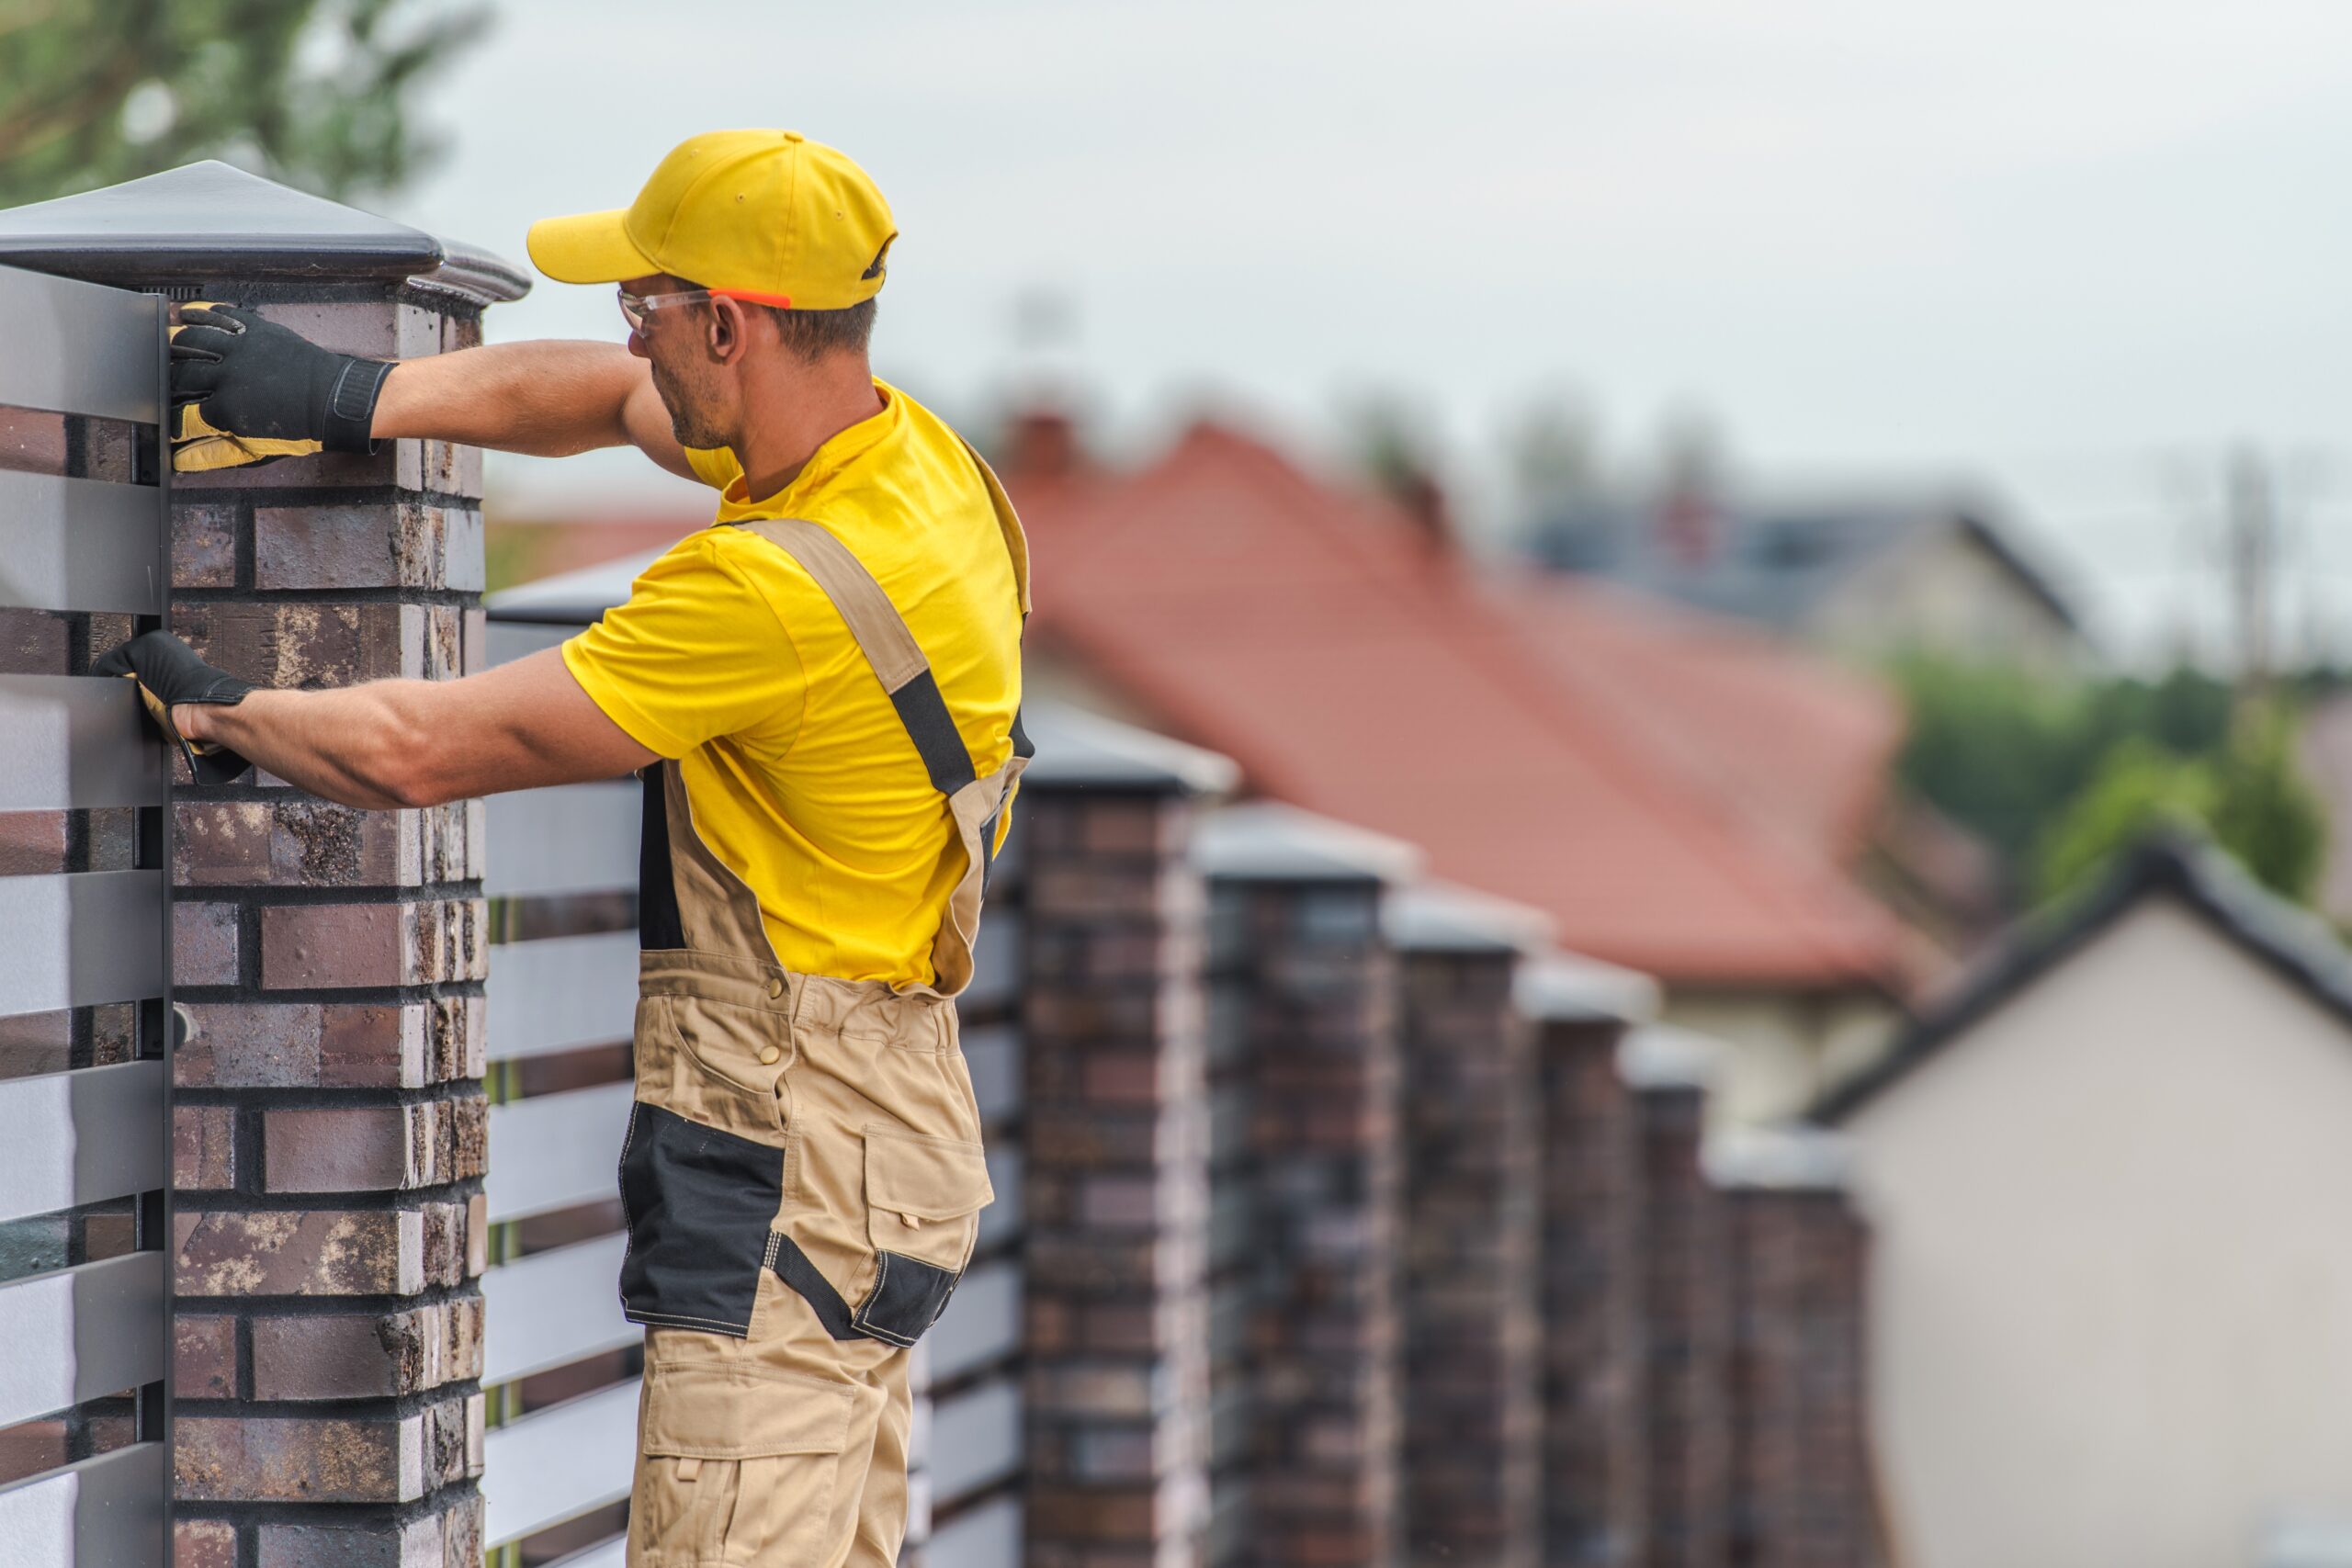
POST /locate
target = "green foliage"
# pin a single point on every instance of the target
(309, 92)
(2059, 778)
(2139, 790)
(2266, 811)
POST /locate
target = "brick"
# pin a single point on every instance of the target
(205, 1360)
(301, 1253)
(343, 946)
(368, 1543)
(319, 471)
(204, 1149)
(204, 1543)
(279, 1460)
(477, 1236)
(373, 1147)
(403, 544)
(204, 944)
(384, 1355)
(307, 1044)
(204, 546)
(308, 645)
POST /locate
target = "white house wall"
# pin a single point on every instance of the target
(2112, 1295)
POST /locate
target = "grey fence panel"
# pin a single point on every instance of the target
(982, 1323)
(577, 839)
(510, 640)
(557, 1463)
(613, 1553)
(69, 544)
(992, 1054)
(985, 1537)
(75, 742)
(79, 937)
(996, 963)
(974, 1440)
(81, 1137)
(79, 348)
(561, 993)
(106, 1512)
(81, 1333)
(553, 1151)
(1001, 1220)
(555, 1307)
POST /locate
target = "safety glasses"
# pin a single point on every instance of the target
(637, 307)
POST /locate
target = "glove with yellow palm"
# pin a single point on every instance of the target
(248, 390)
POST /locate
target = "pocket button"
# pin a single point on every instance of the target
(775, 988)
(771, 1055)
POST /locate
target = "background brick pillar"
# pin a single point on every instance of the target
(1590, 1273)
(1473, 1404)
(1303, 1003)
(1801, 1481)
(1685, 1298)
(1116, 1174)
(328, 1136)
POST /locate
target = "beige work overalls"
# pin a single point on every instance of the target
(803, 1170)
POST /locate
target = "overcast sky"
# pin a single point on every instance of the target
(2058, 251)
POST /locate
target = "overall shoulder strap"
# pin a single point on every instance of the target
(882, 635)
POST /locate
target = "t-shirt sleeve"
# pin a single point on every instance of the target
(696, 653)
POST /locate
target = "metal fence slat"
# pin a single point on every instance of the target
(560, 994)
(987, 1537)
(556, 1150)
(73, 743)
(1001, 1220)
(974, 1440)
(982, 1323)
(73, 544)
(992, 1055)
(555, 1307)
(81, 1137)
(996, 962)
(80, 1333)
(557, 1463)
(106, 1512)
(79, 347)
(79, 937)
(574, 838)
(612, 1553)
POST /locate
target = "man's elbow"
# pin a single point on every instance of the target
(407, 768)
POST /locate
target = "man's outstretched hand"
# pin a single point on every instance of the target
(248, 390)
(169, 674)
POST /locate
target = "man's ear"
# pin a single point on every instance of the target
(729, 333)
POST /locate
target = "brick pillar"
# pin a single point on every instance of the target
(1115, 1189)
(1472, 1407)
(328, 1134)
(1591, 1276)
(1685, 1295)
(1800, 1480)
(1304, 1002)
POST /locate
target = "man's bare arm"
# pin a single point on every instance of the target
(395, 743)
(547, 399)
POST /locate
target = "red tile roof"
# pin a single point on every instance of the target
(1682, 797)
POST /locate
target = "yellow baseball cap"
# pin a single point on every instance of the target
(767, 216)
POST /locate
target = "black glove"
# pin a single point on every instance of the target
(253, 378)
(168, 672)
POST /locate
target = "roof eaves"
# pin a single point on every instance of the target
(2292, 942)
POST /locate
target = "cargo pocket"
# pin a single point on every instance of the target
(923, 1198)
(698, 1202)
(740, 1465)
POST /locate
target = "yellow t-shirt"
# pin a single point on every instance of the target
(801, 778)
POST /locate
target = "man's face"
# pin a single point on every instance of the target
(674, 344)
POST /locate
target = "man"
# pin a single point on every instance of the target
(822, 691)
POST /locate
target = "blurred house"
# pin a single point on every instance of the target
(1868, 579)
(1681, 795)
(2111, 1283)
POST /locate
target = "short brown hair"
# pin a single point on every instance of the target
(813, 334)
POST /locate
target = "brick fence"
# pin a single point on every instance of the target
(328, 1132)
